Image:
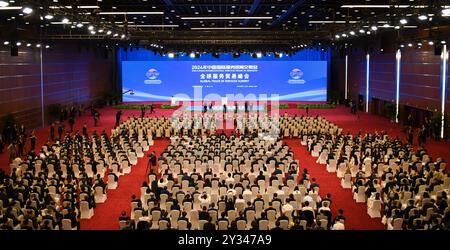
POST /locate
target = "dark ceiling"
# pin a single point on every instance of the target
(214, 22)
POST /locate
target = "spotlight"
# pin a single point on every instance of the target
(344, 35)
(192, 55)
(374, 27)
(116, 35)
(100, 31)
(90, 27)
(446, 12)
(27, 10)
(368, 32)
(386, 25)
(443, 42)
(419, 44)
(93, 32)
(48, 16)
(79, 25)
(278, 55)
(402, 46)
(28, 44)
(337, 36)
(47, 46)
(123, 36)
(422, 17)
(109, 32)
(258, 55)
(65, 20)
(410, 44)
(362, 31)
(430, 43)
(38, 45)
(6, 43)
(352, 33)
(403, 21)
(18, 43)
(3, 3)
(397, 27)
(171, 55)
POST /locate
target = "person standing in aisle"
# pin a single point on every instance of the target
(85, 130)
(52, 132)
(152, 108)
(60, 131)
(33, 140)
(96, 118)
(118, 115)
(71, 123)
(12, 152)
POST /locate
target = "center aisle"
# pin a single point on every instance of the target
(355, 213)
(106, 215)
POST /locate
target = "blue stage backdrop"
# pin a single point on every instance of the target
(288, 78)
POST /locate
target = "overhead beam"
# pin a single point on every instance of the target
(252, 10)
(169, 3)
(289, 12)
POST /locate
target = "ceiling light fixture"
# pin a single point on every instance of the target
(446, 12)
(226, 17)
(27, 10)
(422, 17)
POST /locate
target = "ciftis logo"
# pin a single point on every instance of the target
(296, 75)
(152, 74)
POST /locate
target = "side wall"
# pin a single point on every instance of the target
(70, 75)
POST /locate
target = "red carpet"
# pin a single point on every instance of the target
(106, 215)
(355, 213)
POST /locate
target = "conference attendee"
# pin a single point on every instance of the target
(60, 131)
(2, 145)
(411, 135)
(277, 226)
(152, 108)
(118, 115)
(52, 132)
(151, 165)
(209, 226)
(96, 118)
(71, 123)
(297, 225)
(142, 111)
(12, 152)
(20, 145)
(33, 140)
(85, 130)
(340, 216)
(338, 225)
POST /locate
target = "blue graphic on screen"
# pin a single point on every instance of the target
(161, 80)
